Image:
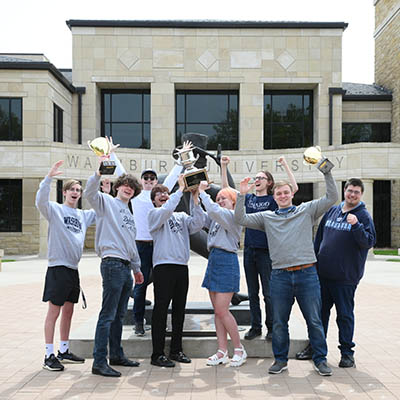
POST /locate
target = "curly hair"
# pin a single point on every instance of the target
(129, 180)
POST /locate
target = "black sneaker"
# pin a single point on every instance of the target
(347, 361)
(69, 357)
(268, 336)
(52, 364)
(139, 329)
(252, 333)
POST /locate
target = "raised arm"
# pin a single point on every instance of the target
(254, 221)
(173, 175)
(158, 216)
(224, 171)
(320, 206)
(43, 194)
(289, 173)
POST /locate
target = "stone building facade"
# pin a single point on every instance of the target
(261, 88)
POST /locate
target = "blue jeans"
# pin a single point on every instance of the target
(342, 296)
(257, 267)
(145, 251)
(302, 285)
(117, 285)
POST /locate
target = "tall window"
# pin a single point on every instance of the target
(10, 118)
(365, 132)
(210, 112)
(288, 119)
(57, 124)
(10, 205)
(126, 117)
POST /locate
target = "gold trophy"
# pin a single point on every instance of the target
(192, 175)
(102, 147)
(313, 156)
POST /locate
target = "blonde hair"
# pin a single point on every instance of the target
(282, 183)
(229, 193)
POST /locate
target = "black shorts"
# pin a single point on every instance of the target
(61, 285)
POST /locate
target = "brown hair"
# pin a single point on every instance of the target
(131, 181)
(280, 184)
(354, 182)
(158, 189)
(271, 181)
(230, 194)
(69, 183)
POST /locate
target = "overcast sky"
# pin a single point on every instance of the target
(39, 26)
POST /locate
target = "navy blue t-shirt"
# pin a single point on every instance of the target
(253, 203)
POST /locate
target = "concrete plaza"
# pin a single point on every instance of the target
(377, 335)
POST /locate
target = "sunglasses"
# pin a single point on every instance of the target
(261, 178)
(149, 178)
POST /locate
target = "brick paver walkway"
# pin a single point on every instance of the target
(377, 375)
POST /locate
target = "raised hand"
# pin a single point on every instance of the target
(225, 160)
(244, 185)
(54, 169)
(203, 186)
(113, 146)
(187, 145)
(282, 160)
(106, 186)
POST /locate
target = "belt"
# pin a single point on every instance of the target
(144, 241)
(125, 262)
(299, 267)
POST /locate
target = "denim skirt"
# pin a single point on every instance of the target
(222, 274)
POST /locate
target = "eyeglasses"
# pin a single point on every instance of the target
(149, 178)
(260, 178)
(158, 194)
(78, 190)
(355, 192)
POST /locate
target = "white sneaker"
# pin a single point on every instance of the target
(215, 360)
(237, 360)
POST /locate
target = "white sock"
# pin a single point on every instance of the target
(49, 349)
(64, 346)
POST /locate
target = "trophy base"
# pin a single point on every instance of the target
(107, 168)
(325, 165)
(193, 179)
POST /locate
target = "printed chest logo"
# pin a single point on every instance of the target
(215, 230)
(338, 225)
(73, 224)
(175, 225)
(258, 206)
(127, 220)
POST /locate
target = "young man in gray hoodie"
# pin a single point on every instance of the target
(170, 231)
(294, 274)
(66, 235)
(115, 245)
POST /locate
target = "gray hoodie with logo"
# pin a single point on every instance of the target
(67, 228)
(171, 230)
(115, 230)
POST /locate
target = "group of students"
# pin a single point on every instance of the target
(154, 240)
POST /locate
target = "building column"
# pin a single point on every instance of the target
(251, 116)
(162, 116)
